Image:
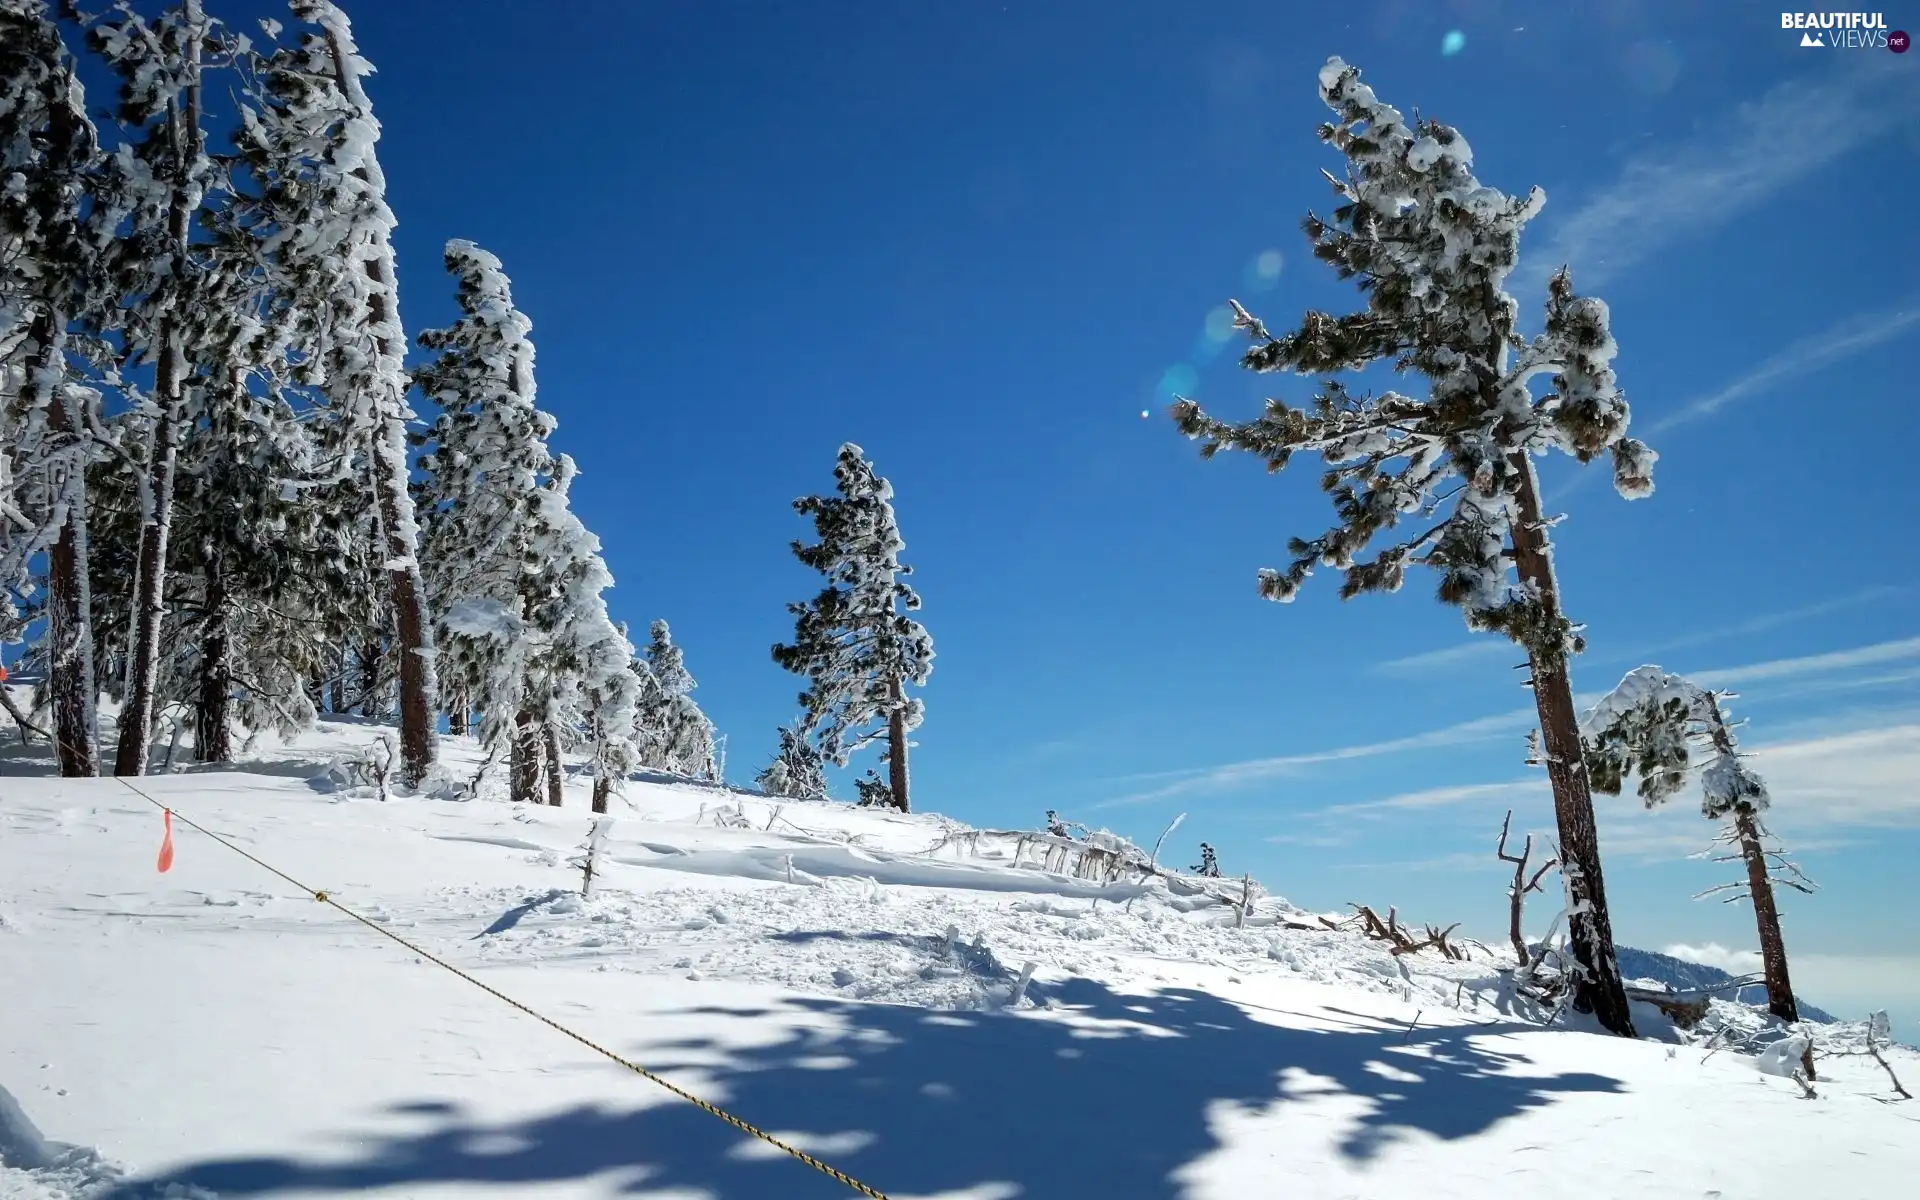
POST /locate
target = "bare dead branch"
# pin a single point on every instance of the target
(1875, 1051)
(1517, 894)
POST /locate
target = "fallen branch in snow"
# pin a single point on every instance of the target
(1403, 942)
(20, 718)
(1903, 1092)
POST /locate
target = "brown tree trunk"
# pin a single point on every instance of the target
(1773, 948)
(170, 381)
(213, 737)
(523, 769)
(70, 668)
(556, 769)
(412, 647)
(372, 680)
(897, 748)
(602, 790)
(1599, 988)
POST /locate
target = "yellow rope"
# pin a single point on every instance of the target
(636, 1068)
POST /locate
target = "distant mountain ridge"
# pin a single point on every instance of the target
(1682, 975)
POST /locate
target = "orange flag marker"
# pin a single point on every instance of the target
(166, 845)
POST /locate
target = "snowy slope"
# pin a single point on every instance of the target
(212, 1030)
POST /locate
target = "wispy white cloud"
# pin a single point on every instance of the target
(1236, 774)
(1439, 797)
(1734, 164)
(1801, 357)
(1765, 622)
(1300, 839)
(1499, 725)
(1813, 664)
(1412, 664)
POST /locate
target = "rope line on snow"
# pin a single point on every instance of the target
(711, 1109)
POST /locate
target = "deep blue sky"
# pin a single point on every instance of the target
(980, 238)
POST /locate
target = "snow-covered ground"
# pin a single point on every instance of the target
(844, 978)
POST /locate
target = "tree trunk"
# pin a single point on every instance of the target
(1599, 989)
(371, 682)
(1773, 948)
(459, 719)
(413, 648)
(897, 748)
(556, 769)
(337, 689)
(70, 669)
(212, 735)
(170, 381)
(602, 789)
(391, 480)
(523, 769)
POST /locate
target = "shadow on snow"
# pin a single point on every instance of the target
(921, 1102)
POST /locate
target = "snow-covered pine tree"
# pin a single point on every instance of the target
(49, 279)
(1431, 247)
(573, 696)
(487, 462)
(164, 316)
(333, 257)
(1654, 725)
(854, 642)
(797, 770)
(612, 693)
(673, 734)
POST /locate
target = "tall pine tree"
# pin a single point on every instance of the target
(515, 578)
(332, 251)
(50, 279)
(1431, 248)
(165, 316)
(854, 642)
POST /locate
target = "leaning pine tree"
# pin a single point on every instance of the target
(854, 642)
(1652, 725)
(1431, 247)
(333, 256)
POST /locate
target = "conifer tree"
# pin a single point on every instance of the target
(611, 692)
(673, 734)
(1431, 248)
(854, 642)
(331, 246)
(165, 316)
(573, 696)
(516, 580)
(479, 499)
(50, 278)
(797, 771)
(1655, 725)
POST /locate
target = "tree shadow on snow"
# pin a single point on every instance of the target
(924, 1102)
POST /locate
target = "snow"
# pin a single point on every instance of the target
(213, 1027)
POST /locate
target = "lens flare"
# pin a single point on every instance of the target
(1453, 43)
(1263, 271)
(1179, 380)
